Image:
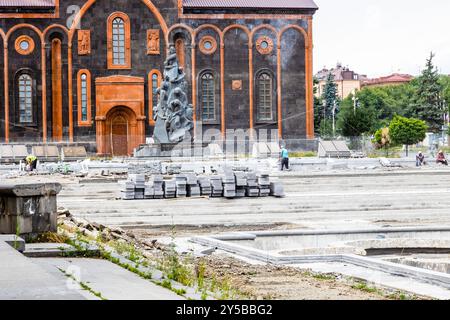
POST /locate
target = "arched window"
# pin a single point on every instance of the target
(84, 98)
(119, 48)
(181, 48)
(154, 80)
(25, 86)
(208, 97)
(265, 97)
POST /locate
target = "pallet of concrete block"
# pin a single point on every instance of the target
(277, 189)
(170, 188)
(193, 188)
(46, 153)
(158, 187)
(181, 183)
(229, 184)
(205, 186)
(252, 188)
(264, 184)
(127, 190)
(241, 183)
(73, 153)
(149, 191)
(216, 186)
(139, 185)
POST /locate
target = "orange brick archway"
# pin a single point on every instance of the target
(120, 116)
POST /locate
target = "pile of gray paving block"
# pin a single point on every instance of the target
(158, 182)
(277, 189)
(170, 189)
(217, 187)
(205, 186)
(264, 184)
(252, 188)
(230, 184)
(241, 183)
(193, 188)
(181, 183)
(127, 190)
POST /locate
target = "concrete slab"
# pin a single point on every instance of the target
(112, 281)
(21, 279)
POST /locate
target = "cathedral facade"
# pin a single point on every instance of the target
(88, 70)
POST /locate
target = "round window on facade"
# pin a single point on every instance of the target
(24, 45)
(264, 45)
(208, 45)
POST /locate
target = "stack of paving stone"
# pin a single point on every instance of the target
(139, 185)
(193, 189)
(229, 185)
(126, 190)
(277, 189)
(264, 184)
(149, 191)
(158, 190)
(181, 183)
(252, 189)
(205, 186)
(241, 183)
(217, 187)
(170, 189)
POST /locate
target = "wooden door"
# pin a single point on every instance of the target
(119, 136)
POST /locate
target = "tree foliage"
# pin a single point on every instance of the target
(428, 104)
(355, 121)
(330, 97)
(407, 131)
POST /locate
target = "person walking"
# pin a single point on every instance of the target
(284, 159)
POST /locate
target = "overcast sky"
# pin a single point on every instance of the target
(379, 37)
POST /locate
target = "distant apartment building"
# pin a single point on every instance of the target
(347, 80)
(391, 80)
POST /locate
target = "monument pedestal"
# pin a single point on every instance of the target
(168, 150)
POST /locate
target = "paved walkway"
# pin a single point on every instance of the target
(108, 279)
(22, 279)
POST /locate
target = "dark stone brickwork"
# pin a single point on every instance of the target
(236, 62)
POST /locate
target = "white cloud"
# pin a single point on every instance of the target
(377, 37)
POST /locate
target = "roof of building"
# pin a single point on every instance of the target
(340, 73)
(261, 4)
(27, 3)
(393, 78)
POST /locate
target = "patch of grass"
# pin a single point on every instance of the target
(49, 237)
(364, 287)
(307, 154)
(83, 285)
(323, 276)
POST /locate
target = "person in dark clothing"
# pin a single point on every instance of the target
(441, 158)
(284, 159)
(31, 162)
(420, 159)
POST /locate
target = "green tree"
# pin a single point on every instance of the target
(330, 97)
(382, 139)
(353, 121)
(318, 108)
(428, 104)
(406, 131)
(326, 129)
